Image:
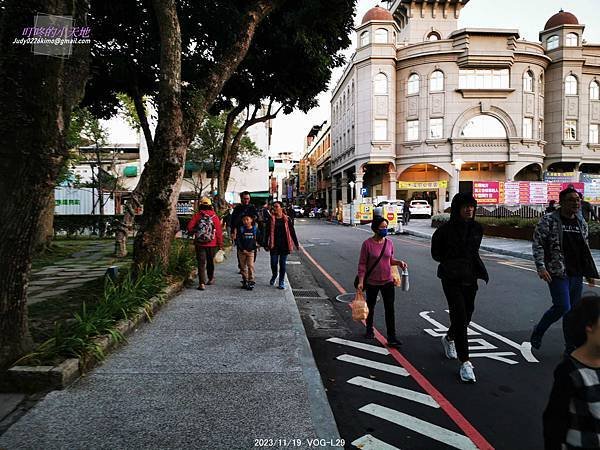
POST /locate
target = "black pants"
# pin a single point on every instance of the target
(388, 294)
(206, 263)
(461, 302)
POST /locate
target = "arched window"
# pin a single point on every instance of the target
(364, 38)
(594, 90)
(413, 84)
(483, 126)
(528, 81)
(381, 36)
(436, 81)
(434, 36)
(552, 42)
(571, 40)
(380, 85)
(571, 85)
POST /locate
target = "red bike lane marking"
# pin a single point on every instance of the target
(469, 430)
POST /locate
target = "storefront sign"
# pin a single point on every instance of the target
(423, 184)
(486, 192)
(559, 177)
(511, 193)
(538, 193)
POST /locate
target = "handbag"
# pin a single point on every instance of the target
(372, 267)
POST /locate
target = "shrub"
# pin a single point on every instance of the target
(182, 259)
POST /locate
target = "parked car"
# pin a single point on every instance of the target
(419, 208)
(298, 211)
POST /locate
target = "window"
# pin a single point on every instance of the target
(436, 128)
(571, 85)
(541, 84)
(364, 38)
(528, 81)
(436, 81)
(541, 129)
(527, 128)
(352, 96)
(571, 40)
(552, 43)
(594, 133)
(380, 84)
(594, 90)
(433, 36)
(483, 126)
(380, 131)
(570, 130)
(483, 79)
(413, 84)
(412, 130)
(381, 36)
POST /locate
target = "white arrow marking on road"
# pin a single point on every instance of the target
(420, 426)
(368, 442)
(524, 348)
(374, 365)
(367, 347)
(396, 391)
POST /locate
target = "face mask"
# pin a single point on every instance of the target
(382, 233)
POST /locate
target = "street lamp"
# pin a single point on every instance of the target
(457, 163)
(351, 184)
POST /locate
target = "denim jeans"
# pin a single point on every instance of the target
(565, 292)
(282, 259)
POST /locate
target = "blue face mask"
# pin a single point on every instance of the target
(382, 233)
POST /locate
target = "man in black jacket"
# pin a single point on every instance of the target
(455, 245)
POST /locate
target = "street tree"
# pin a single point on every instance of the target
(37, 95)
(288, 65)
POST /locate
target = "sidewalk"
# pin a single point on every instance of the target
(216, 369)
(511, 247)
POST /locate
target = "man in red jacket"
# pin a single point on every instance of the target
(208, 238)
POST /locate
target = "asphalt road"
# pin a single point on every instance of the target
(377, 405)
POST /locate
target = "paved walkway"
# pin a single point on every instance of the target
(70, 273)
(216, 369)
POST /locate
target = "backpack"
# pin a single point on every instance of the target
(204, 232)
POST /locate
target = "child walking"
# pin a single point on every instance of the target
(571, 419)
(247, 238)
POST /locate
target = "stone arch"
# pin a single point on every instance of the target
(518, 169)
(446, 167)
(494, 111)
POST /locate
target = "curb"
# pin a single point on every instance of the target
(482, 247)
(38, 378)
(320, 410)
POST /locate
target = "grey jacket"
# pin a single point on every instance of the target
(548, 250)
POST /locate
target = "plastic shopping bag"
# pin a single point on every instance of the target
(219, 257)
(360, 310)
(396, 276)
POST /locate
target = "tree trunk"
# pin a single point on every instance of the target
(161, 179)
(45, 232)
(37, 95)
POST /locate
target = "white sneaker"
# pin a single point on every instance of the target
(449, 348)
(466, 372)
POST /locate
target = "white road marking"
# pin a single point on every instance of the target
(374, 365)
(498, 356)
(396, 391)
(360, 345)
(368, 442)
(524, 348)
(440, 434)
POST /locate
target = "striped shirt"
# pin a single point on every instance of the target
(572, 417)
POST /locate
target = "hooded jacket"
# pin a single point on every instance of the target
(218, 239)
(455, 245)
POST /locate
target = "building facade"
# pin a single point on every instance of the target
(424, 109)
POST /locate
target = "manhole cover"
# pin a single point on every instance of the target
(346, 298)
(305, 293)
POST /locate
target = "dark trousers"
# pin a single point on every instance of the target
(461, 302)
(388, 295)
(282, 260)
(206, 264)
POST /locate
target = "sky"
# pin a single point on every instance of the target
(527, 16)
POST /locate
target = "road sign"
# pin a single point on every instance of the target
(364, 192)
(390, 216)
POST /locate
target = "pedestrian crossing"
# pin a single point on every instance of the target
(409, 422)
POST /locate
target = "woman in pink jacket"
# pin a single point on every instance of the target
(208, 238)
(379, 277)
